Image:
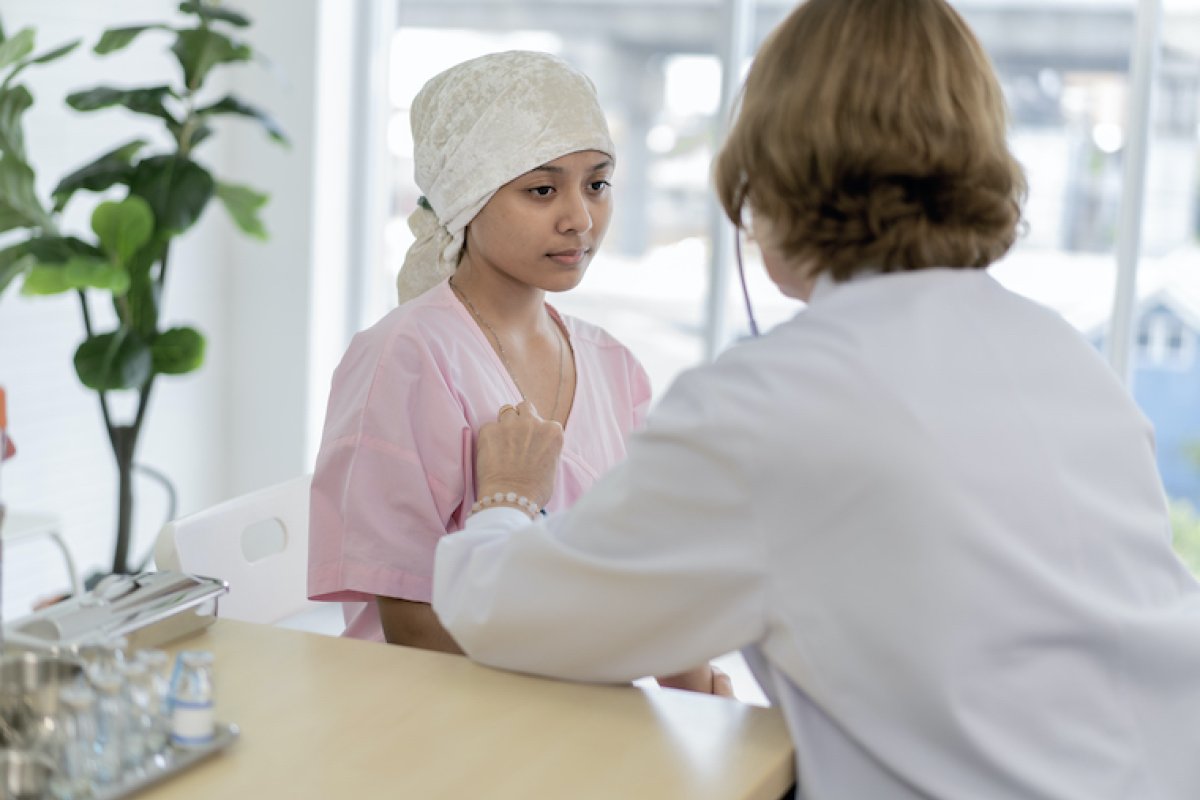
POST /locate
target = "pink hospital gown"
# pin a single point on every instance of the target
(395, 471)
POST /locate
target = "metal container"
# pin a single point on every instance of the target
(29, 687)
(148, 609)
(24, 775)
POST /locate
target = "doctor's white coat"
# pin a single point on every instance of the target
(929, 513)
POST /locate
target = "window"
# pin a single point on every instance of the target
(1066, 67)
(658, 77)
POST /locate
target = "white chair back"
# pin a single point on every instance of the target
(266, 584)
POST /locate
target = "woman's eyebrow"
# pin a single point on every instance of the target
(559, 170)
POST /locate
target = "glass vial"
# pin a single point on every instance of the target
(191, 699)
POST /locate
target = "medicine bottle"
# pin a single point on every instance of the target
(191, 699)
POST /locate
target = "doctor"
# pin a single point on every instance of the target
(925, 506)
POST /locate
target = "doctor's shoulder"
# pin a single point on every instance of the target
(794, 376)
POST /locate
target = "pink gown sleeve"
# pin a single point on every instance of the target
(390, 473)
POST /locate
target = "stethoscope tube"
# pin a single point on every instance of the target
(737, 247)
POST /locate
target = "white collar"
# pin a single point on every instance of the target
(825, 283)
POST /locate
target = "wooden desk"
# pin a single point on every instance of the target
(337, 718)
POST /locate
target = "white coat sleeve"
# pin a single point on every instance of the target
(656, 569)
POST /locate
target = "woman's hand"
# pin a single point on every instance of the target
(518, 453)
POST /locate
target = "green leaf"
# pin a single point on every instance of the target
(147, 100)
(201, 49)
(54, 251)
(117, 360)
(115, 39)
(19, 206)
(44, 58)
(111, 168)
(123, 227)
(55, 54)
(177, 189)
(59, 249)
(46, 279)
(13, 103)
(17, 47)
(200, 133)
(141, 303)
(93, 273)
(207, 11)
(178, 351)
(232, 105)
(243, 204)
(12, 265)
(80, 272)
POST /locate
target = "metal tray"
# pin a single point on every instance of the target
(148, 609)
(174, 761)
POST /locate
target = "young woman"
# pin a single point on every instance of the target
(925, 505)
(514, 157)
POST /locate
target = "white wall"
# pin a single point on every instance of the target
(250, 415)
(270, 285)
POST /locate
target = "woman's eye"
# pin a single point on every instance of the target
(541, 191)
(599, 186)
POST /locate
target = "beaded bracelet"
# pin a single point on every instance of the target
(508, 499)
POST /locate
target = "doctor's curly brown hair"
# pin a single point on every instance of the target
(872, 135)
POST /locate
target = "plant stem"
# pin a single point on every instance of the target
(87, 315)
(143, 402)
(126, 441)
(102, 396)
(125, 437)
(190, 121)
(161, 283)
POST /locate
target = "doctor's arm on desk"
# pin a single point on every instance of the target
(637, 579)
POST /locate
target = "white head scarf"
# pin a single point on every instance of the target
(479, 125)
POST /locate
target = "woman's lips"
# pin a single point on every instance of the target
(568, 257)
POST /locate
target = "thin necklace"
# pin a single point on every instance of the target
(504, 356)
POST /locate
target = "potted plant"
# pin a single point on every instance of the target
(125, 258)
